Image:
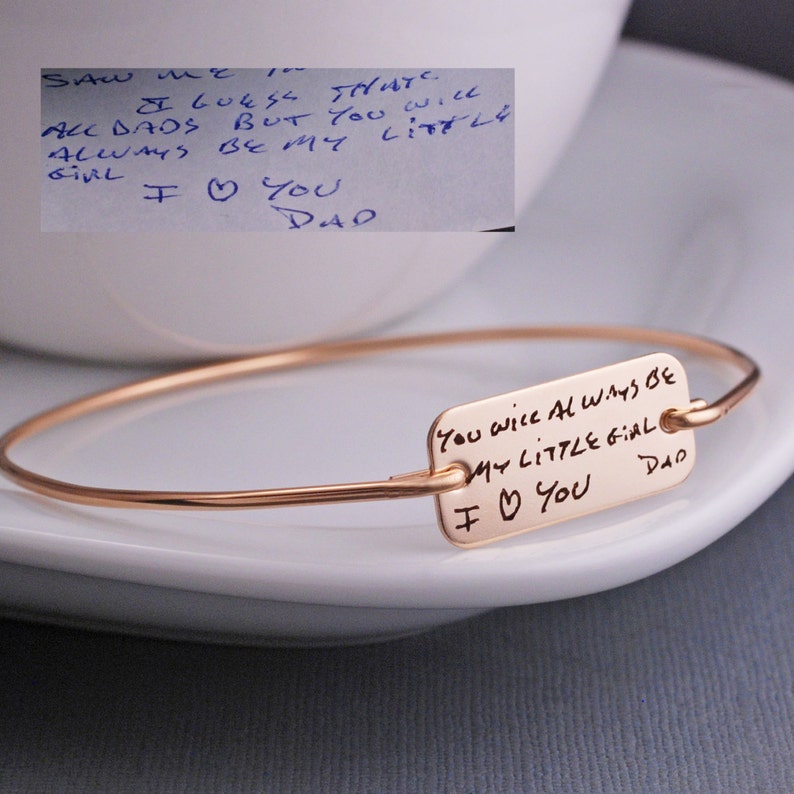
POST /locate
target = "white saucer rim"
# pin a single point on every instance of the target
(775, 470)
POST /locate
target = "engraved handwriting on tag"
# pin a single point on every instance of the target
(562, 449)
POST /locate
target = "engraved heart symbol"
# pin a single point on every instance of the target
(506, 506)
(221, 191)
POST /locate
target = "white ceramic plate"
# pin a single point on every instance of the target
(674, 208)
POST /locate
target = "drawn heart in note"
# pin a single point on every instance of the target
(221, 191)
(509, 504)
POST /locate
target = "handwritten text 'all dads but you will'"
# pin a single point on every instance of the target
(277, 149)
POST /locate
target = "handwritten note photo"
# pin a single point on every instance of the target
(291, 150)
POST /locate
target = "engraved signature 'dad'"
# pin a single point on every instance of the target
(562, 449)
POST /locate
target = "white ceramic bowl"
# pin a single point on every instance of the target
(148, 296)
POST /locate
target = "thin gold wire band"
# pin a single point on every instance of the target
(421, 483)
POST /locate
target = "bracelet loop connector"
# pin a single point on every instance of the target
(642, 380)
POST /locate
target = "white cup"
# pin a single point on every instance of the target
(138, 295)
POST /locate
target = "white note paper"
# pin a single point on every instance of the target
(277, 149)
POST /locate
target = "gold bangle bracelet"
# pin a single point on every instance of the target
(498, 466)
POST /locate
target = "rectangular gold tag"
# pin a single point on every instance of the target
(561, 449)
